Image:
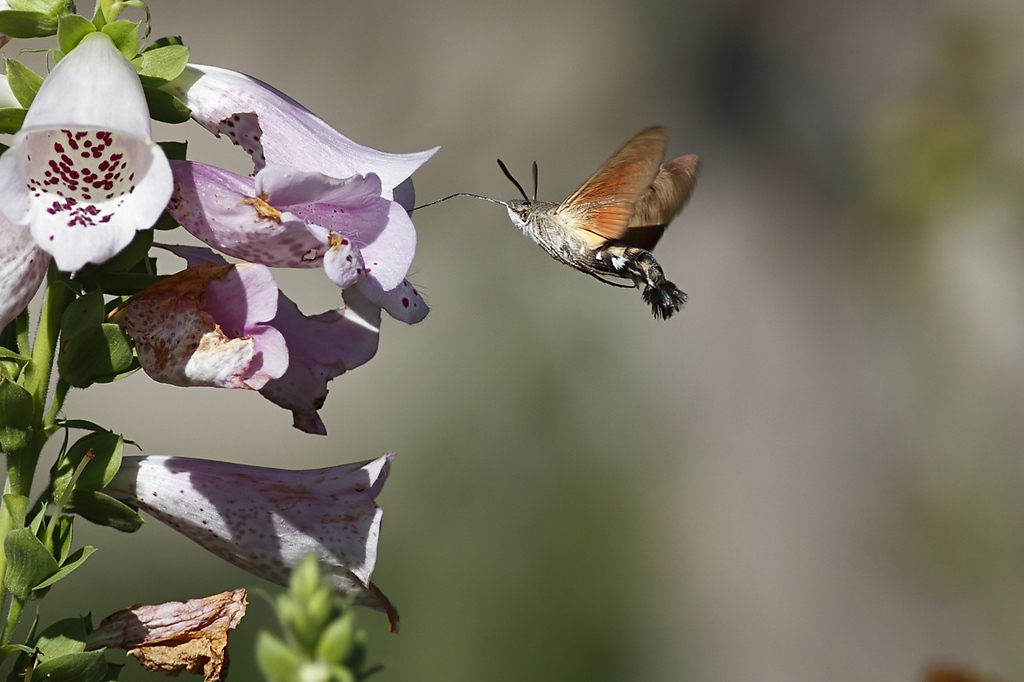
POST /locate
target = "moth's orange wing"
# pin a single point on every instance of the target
(604, 204)
(664, 199)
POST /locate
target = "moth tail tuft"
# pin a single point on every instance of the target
(664, 298)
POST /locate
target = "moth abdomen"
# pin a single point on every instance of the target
(663, 296)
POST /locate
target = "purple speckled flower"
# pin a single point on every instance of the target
(83, 172)
(318, 198)
(208, 326)
(292, 219)
(319, 347)
(267, 520)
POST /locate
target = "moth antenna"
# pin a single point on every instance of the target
(514, 181)
(535, 181)
(457, 194)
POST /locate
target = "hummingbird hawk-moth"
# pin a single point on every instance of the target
(608, 226)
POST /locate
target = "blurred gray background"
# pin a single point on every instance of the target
(813, 472)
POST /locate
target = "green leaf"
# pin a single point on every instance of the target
(96, 354)
(71, 30)
(175, 151)
(66, 636)
(54, 7)
(163, 106)
(337, 640)
(28, 563)
(164, 42)
(11, 119)
(27, 24)
(24, 81)
(9, 649)
(277, 661)
(125, 35)
(88, 666)
(83, 424)
(17, 408)
(104, 510)
(92, 276)
(161, 64)
(84, 312)
(74, 561)
(63, 534)
(106, 448)
(17, 507)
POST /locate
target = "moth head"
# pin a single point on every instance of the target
(520, 210)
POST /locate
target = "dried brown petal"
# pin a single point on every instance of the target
(180, 635)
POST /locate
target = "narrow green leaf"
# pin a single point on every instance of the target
(24, 81)
(104, 510)
(63, 535)
(83, 424)
(74, 561)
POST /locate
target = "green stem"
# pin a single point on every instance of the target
(13, 616)
(60, 392)
(22, 332)
(21, 467)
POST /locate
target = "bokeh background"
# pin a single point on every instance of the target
(814, 472)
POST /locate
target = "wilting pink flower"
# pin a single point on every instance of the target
(83, 172)
(325, 197)
(209, 326)
(175, 636)
(175, 319)
(267, 520)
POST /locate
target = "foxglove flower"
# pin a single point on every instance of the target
(319, 347)
(83, 172)
(275, 129)
(209, 326)
(267, 520)
(352, 199)
(288, 218)
(175, 636)
(22, 263)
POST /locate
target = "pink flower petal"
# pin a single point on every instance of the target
(22, 269)
(223, 210)
(267, 520)
(320, 348)
(275, 129)
(180, 339)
